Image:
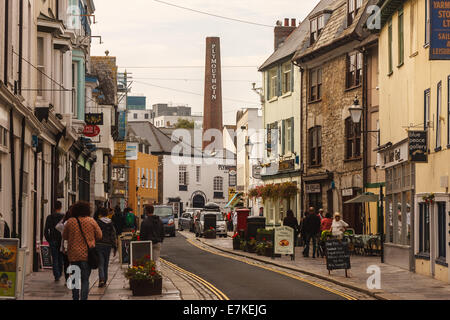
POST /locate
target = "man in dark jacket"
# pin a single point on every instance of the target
(152, 229)
(54, 239)
(118, 220)
(311, 228)
(291, 221)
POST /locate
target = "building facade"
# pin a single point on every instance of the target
(417, 202)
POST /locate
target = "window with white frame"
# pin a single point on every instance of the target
(155, 180)
(272, 83)
(139, 177)
(182, 176)
(316, 27)
(148, 179)
(287, 78)
(438, 116)
(218, 184)
(75, 89)
(40, 67)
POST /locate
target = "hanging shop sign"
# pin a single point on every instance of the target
(440, 30)
(94, 119)
(120, 153)
(418, 146)
(9, 249)
(287, 165)
(91, 131)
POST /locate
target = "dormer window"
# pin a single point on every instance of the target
(316, 26)
(353, 8)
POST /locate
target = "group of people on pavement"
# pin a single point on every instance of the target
(311, 227)
(73, 235)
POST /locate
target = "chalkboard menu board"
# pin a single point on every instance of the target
(140, 250)
(338, 255)
(125, 250)
(46, 257)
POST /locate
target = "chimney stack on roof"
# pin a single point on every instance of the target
(282, 32)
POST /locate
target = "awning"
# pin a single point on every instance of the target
(237, 197)
(364, 198)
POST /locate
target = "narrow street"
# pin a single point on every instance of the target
(239, 280)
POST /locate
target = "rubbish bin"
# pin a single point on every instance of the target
(253, 224)
(210, 222)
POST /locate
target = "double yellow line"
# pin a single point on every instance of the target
(339, 293)
(220, 295)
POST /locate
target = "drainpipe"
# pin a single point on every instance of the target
(13, 173)
(365, 117)
(5, 71)
(35, 215)
(22, 161)
(21, 45)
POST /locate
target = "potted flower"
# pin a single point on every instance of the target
(144, 279)
(260, 248)
(243, 245)
(251, 245)
(236, 241)
(136, 236)
(268, 249)
(210, 233)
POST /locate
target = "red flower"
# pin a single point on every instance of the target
(147, 257)
(236, 235)
(139, 238)
(264, 239)
(252, 238)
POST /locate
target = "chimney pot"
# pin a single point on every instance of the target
(293, 22)
(286, 22)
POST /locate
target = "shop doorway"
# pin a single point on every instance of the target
(353, 215)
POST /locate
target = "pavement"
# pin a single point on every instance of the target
(396, 283)
(41, 286)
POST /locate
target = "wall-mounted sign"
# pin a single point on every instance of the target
(120, 153)
(94, 119)
(418, 146)
(440, 30)
(287, 165)
(91, 131)
(132, 151)
(313, 188)
(347, 192)
(256, 172)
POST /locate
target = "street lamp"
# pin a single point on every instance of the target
(249, 147)
(144, 181)
(356, 112)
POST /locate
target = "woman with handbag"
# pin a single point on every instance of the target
(81, 233)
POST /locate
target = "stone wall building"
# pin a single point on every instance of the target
(332, 77)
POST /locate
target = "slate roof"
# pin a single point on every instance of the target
(336, 30)
(295, 40)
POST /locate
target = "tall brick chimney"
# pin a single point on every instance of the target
(283, 31)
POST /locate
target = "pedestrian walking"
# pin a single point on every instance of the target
(152, 229)
(130, 221)
(81, 233)
(104, 246)
(5, 232)
(291, 221)
(311, 228)
(118, 220)
(60, 227)
(326, 222)
(338, 226)
(54, 239)
(235, 221)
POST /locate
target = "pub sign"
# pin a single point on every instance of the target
(418, 146)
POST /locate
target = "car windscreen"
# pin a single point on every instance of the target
(219, 216)
(163, 212)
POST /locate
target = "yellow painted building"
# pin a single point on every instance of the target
(142, 182)
(414, 96)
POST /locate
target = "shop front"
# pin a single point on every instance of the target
(399, 208)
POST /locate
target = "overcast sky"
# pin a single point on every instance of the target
(148, 33)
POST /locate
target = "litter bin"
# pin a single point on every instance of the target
(253, 224)
(210, 222)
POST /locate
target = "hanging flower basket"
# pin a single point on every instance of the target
(285, 190)
(429, 199)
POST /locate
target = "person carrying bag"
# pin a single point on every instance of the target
(81, 233)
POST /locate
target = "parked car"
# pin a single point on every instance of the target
(186, 222)
(168, 218)
(221, 224)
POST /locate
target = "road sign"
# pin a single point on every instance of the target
(91, 131)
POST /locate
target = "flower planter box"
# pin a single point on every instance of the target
(145, 288)
(210, 235)
(268, 252)
(251, 249)
(236, 245)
